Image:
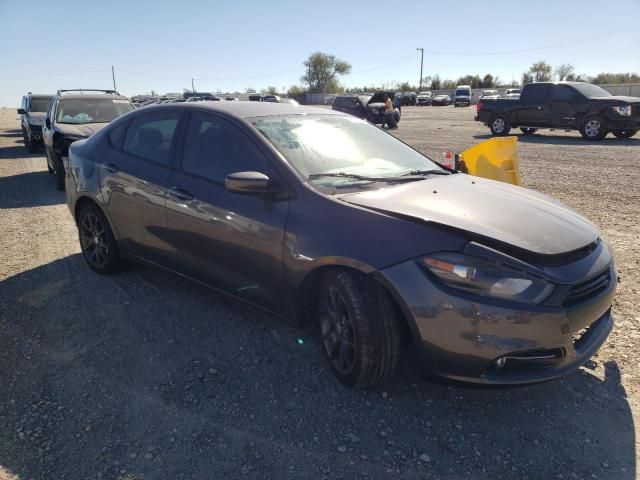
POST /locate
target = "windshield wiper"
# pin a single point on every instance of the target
(426, 172)
(401, 178)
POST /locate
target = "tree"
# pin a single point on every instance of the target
(488, 81)
(527, 78)
(540, 71)
(271, 90)
(616, 78)
(405, 87)
(322, 71)
(435, 82)
(295, 91)
(448, 85)
(563, 71)
(249, 90)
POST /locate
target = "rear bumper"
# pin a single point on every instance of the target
(465, 340)
(35, 133)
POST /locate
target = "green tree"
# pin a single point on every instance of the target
(563, 71)
(436, 83)
(323, 70)
(527, 78)
(271, 90)
(448, 85)
(295, 91)
(540, 71)
(488, 81)
(249, 90)
(616, 78)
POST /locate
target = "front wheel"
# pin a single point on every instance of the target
(58, 170)
(500, 126)
(528, 130)
(624, 133)
(97, 242)
(359, 328)
(594, 128)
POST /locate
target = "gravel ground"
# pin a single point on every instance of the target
(147, 375)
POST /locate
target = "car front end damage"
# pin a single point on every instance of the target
(482, 337)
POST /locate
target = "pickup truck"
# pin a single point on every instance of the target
(591, 110)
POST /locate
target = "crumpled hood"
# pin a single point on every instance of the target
(81, 130)
(514, 215)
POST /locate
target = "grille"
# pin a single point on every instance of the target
(585, 290)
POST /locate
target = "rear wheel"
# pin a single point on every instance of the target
(500, 125)
(624, 133)
(528, 131)
(594, 128)
(97, 242)
(359, 328)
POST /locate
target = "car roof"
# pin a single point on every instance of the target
(40, 95)
(244, 109)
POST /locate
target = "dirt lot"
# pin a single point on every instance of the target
(147, 375)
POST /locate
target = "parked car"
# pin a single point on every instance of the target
(329, 99)
(407, 98)
(490, 93)
(370, 108)
(511, 91)
(462, 96)
(255, 97)
(271, 98)
(591, 110)
(424, 98)
(32, 114)
(231, 99)
(511, 95)
(317, 216)
(440, 100)
(74, 115)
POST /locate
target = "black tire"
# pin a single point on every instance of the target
(58, 171)
(46, 154)
(98, 245)
(500, 125)
(624, 133)
(28, 143)
(358, 327)
(528, 131)
(594, 128)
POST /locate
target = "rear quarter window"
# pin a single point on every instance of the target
(117, 134)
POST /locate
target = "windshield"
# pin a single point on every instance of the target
(91, 110)
(425, 93)
(319, 145)
(364, 98)
(590, 91)
(489, 92)
(462, 93)
(39, 104)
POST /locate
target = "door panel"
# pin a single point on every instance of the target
(134, 184)
(533, 110)
(231, 241)
(562, 106)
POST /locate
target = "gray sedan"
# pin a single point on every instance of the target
(318, 216)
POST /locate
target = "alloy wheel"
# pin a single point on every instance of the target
(592, 128)
(94, 240)
(498, 125)
(337, 331)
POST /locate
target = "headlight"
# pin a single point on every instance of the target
(624, 110)
(486, 278)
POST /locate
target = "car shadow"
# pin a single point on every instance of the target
(11, 133)
(18, 151)
(149, 374)
(32, 189)
(541, 138)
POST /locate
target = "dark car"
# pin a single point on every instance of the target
(441, 100)
(370, 108)
(321, 217)
(32, 114)
(590, 109)
(408, 98)
(255, 97)
(74, 115)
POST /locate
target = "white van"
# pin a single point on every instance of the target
(462, 96)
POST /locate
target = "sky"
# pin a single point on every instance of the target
(230, 46)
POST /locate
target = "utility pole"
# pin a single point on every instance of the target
(113, 76)
(192, 86)
(421, 60)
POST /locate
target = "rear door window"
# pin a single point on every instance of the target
(562, 93)
(535, 94)
(151, 136)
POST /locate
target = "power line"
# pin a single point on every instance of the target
(533, 49)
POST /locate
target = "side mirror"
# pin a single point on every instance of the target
(47, 122)
(247, 182)
(22, 111)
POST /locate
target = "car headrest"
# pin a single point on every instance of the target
(150, 137)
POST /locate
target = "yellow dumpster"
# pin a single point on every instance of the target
(496, 158)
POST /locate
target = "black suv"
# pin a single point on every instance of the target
(370, 108)
(74, 115)
(32, 113)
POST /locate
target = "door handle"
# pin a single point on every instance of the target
(110, 167)
(180, 194)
